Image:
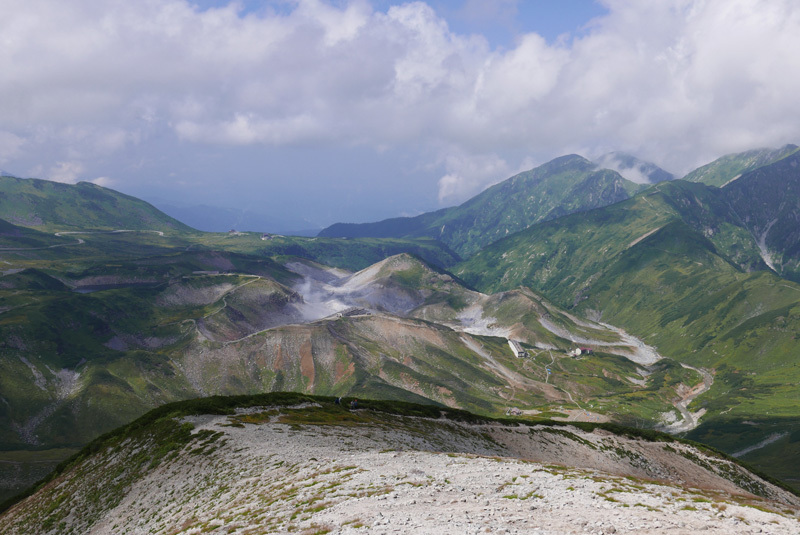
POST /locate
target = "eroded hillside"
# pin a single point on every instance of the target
(93, 349)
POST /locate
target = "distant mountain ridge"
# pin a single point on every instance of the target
(751, 223)
(565, 185)
(767, 203)
(222, 219)
(51, 206)
(562, 186)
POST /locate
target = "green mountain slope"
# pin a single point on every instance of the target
(560, 257)
(674, 292)
(751, 224)
(766, 202)
(53, 206)
(564, 185)
(162, 328)
(661, 265)
(729, 167)
(639, 264)
(17, 238)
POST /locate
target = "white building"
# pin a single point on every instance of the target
(517, 349)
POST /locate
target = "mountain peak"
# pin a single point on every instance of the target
(567, 184)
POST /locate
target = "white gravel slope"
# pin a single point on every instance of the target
(389, 478)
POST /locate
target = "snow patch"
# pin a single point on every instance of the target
(38, 378)
(473, 321)
(761, 241)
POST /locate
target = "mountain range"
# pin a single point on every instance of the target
(656, 303)
(565, 185)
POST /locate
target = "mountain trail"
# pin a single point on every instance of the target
(643, 236)
(642, 353)
(774, 437)
(637, 351)
(78, 241)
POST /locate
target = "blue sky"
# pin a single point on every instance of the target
(320, 111)
(502, 22)
(499, 21)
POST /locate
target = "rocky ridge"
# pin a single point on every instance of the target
(320, 468)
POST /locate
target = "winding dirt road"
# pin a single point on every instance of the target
(690, 421)
(78, 241)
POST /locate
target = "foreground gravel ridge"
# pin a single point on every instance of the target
(405, 475)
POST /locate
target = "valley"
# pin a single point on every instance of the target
(188, 323)
(682, 295)
(400, 267)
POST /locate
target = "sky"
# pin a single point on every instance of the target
(319, 111)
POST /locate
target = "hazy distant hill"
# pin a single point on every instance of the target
(564, 185)
(47, 205)
(729, 167)
(219, 219)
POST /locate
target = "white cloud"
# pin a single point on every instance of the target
(675, 81)
(468, 174)
(68, 172)
(104, 181)
(10, 146)
(249, 129)
(633, 173)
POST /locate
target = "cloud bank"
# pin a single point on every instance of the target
(679, 82)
